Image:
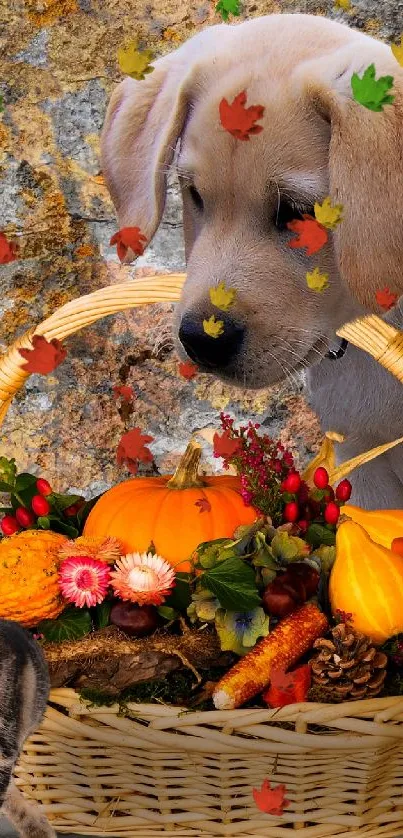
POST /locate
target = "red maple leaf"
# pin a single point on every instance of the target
(311, 234)
(132, 449)
(129, 237)
(187, 369)
(45, 355)
(288, 687)
(204, 505)
(225, 445)
(238, 120)
(386, 299)
(8, 250)
(271, 800)
(124, 392)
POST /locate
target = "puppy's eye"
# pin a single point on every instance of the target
(288, 211)
(196, 197)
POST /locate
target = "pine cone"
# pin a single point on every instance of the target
(347, 666)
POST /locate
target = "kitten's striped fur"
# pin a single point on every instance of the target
(24, 689)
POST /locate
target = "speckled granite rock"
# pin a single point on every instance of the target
(58, 67)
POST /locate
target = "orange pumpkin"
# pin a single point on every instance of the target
(175, 513)
(367, 581)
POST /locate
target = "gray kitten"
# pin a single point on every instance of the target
(24, 690)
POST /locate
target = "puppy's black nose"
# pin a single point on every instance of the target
(206, 350)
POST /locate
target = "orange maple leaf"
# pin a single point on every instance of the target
(132, 449)
(288, 687)
(204, 505)
(187, 369)
(311, 234)
(238, 120)
(129, 237)
(45, 355)
(8, 250)
(386, 299)
(225, 446)
(124, 392)
(271, 800)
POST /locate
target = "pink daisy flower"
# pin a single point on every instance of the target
(84, 580)
(142, 578)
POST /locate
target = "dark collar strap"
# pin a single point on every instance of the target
(334, 354)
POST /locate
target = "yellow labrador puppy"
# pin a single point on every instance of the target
(238, 197)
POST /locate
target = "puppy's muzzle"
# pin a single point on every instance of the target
(207, 351)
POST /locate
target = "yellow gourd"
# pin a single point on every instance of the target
(382, 525)
(366, 581)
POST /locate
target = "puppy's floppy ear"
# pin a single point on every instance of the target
(365, 166)
(143, 122)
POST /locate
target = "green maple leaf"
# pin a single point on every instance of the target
(225, 8)
(371, 92)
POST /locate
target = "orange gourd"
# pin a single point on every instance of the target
(367, 581)
(166, 511)
(29, 590)
(382, 525)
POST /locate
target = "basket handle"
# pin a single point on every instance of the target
(82, 312)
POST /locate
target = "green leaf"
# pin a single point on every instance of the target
(317, 535)
(25, 481)
(167, 613)
(53, 522)
(326, 556)
(102, 613)
(225, 8)
(43, 522)
(288, 547)
(8, 470)
(181, 596)
(1, 105)
(208, 551)
(62, 502)
(85, 510)
(233, 583)
(72, 624)
(370, 92)
(5, 487)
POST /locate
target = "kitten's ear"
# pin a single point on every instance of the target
(365, 167)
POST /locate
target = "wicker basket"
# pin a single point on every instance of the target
(161, 771)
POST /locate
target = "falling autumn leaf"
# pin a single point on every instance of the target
(124, 392)
(134, 62)
(371, 92)
(327, 215)
(222, 297)
(225, 8)
(238, 120)
(343, 4)
(316, 281)
(128, 237)
(311, 234)
(204, 505)
(44, 357)
(8, 250)
(288, 687)
(397, 50)
(132, 449)
(271, 800)
(225, 446)
(386, 299)
(212, 327)
(187, 370)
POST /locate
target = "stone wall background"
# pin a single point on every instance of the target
(57, 69)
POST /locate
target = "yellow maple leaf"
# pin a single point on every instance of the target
(343, 4)
(317, 281)
(397, 50)
(222, 297)
(134, 62)
(213, 327)
(327, 215)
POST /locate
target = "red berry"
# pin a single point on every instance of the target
(292, 482)
(44, 488)
(40, 505)
(321, 478)
(343, 491)
(24, 517)
(303, 525)
(291, 511)
(9, 525)
(331, 513)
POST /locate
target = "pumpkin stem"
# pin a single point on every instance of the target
(186, 475)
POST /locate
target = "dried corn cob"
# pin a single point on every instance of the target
(291, 638)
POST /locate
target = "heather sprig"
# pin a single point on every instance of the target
(261, 462)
